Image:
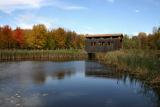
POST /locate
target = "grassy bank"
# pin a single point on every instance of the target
(16, 55)
(144, 65)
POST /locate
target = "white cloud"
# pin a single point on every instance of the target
(74, 8)
(10, 5)
(67, 6)
(28, 20)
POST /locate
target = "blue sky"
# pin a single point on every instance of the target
(83, 16)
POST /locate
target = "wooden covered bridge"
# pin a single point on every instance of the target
(103, 43)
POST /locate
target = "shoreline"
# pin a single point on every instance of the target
(134, 65)
(137, 63)
(41, 55)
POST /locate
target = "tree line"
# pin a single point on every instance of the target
(143, 40)
(39, 37)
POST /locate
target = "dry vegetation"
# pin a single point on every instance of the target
(143, 64)
(55, 55)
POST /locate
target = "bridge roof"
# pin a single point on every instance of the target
(103, 35)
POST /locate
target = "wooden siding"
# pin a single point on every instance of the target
(95, 44)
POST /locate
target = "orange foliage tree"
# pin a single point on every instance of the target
(18, 38)
(6, 37)
(39, 37)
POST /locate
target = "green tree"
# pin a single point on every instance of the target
(131, 42)
(50, 41)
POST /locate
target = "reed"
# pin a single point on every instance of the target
(57, 55)
(143, 64)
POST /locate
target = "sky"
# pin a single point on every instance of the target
(83, 16)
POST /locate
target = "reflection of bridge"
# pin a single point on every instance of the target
(94, 69)
(104, 74)
(103, 43)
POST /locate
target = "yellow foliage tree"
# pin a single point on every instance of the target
(38, 36)
(60, 38)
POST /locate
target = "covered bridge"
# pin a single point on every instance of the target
(103, 42)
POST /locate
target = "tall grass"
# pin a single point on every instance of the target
(143, 64)
(7, 55)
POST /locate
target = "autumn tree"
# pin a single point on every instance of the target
(50, 41)
(131, 42)
(6, 37)
(60, 38)
(143, 39)
(28, 39)
(71, 39)
(156, 38)
(18, 38)
(1, 38)
(157, 42)
(38, 36)
(80, 41)
(54, 39)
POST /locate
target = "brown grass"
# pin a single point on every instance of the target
(143, 64)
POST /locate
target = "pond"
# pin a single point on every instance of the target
(70, 84)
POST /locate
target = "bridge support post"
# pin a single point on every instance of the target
(91, 56)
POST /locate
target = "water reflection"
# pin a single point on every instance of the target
(62, 74)
(36, 72)
(39, 77)
(74, 83)
(95, 69)
(41, 73)
(98, 70)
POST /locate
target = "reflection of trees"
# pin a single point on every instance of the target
(39, 77)
(93, 70)
(157, 93)
(146, 90)
(152, 93)
(62, 74)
